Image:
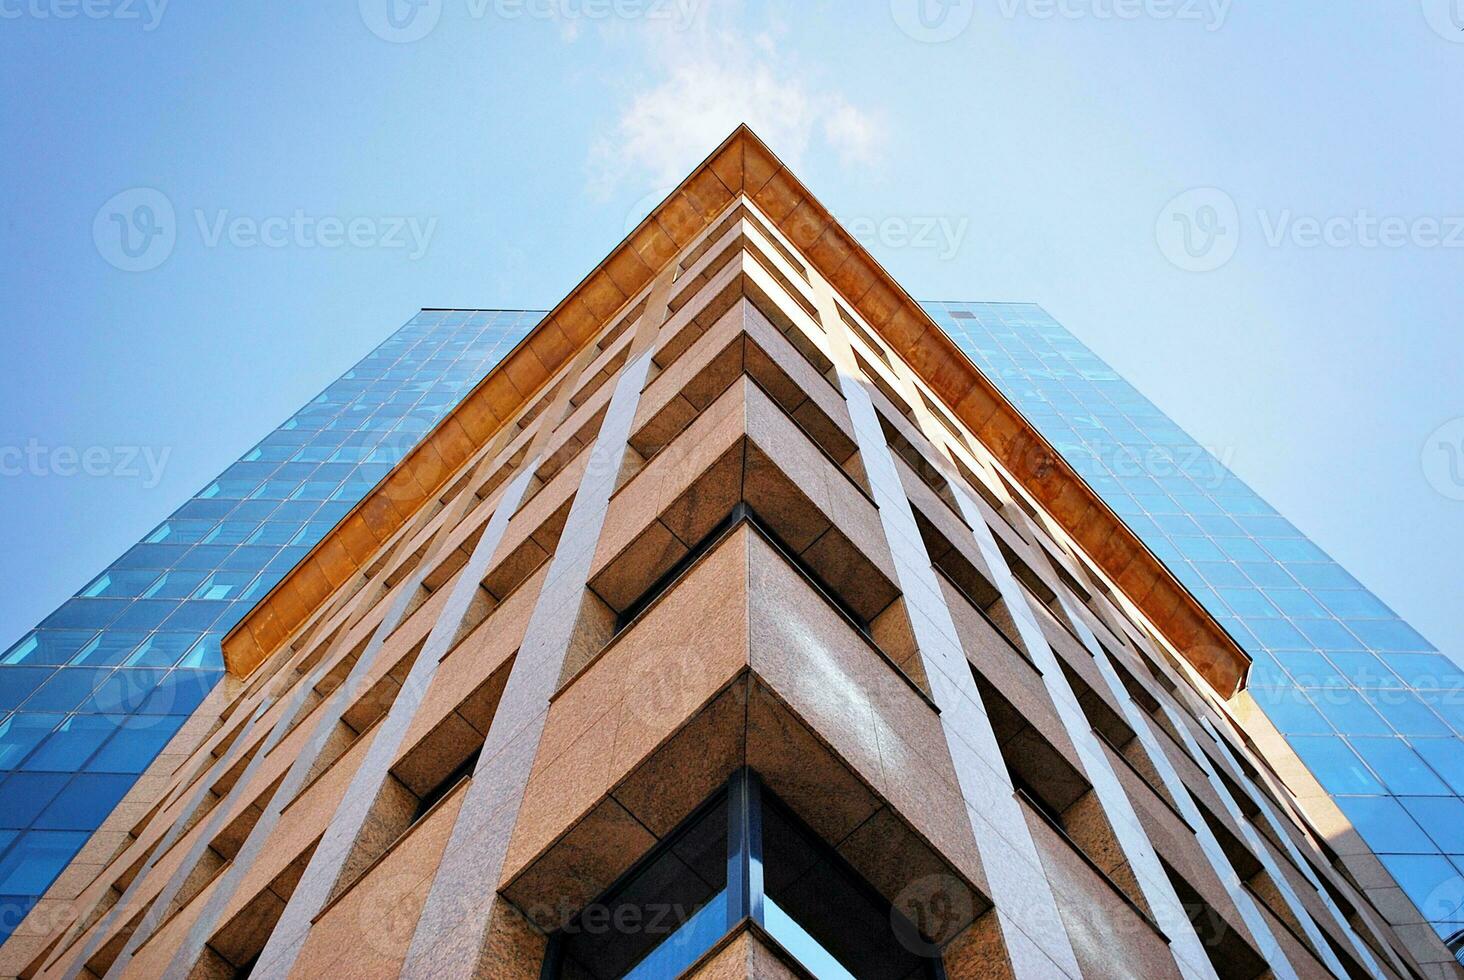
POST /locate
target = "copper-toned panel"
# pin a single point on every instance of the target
(744, 164)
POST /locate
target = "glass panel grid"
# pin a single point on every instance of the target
(1371, 707)
(90, 696)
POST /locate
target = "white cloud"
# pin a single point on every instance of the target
(705, 81)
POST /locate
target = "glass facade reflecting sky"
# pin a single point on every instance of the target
(1372, 708)
(90, 696)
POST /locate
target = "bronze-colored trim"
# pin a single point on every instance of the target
(744, 165)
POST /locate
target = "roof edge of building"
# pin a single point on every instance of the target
(742, 164)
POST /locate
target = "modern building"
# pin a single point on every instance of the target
(1371, 707)
(89, 697)
(735, 624)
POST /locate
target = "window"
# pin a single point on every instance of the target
(741, 857)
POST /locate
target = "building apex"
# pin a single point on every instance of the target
(743, 166)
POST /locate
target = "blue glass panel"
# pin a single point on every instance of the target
(1278, 634)
(1328, 634)
(1390, 634)
(1309, 669)
(1400, 768)
(1248, 603)
(145, 614)
(1406, 713)
(1364, 670)
(84, 802)
(47, 647)
(1222, 573)
(123, 691)
(180, 692)
(193, 617)
(136, 743)
(1427, 670)
(223, 585)
(1355, 604)
(1268, 575)
(1322, 576)
(1447, 704)
(108, 648)
(65, 689)
(87, 614)
(176, 584)
(73, 742)
(1296, 603)
(1427, 880)
(1294, 549)
(1385, 825)
(27, 794)
(120, 583)
(207, 653)
(161, 650)
(1444, 757)
(230, 532)
(1336, 766)
(21, 732)
(1442, 817)
(35, 858)
(159, 556)
(249, 558)
(1349, 713)
(203, 557)
(276, 533)
(17, 683)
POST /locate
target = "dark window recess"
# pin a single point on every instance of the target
(449, 782)
(742, 857)
(242, 973)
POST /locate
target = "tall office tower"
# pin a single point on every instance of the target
(90, 696)
(1374, 711)
(734, 625)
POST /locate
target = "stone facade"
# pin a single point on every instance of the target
(732, 520)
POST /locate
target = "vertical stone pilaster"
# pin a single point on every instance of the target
(187, 955)
(1139, 721)
(214, 823)
(1036, 939)
(1282, 885)
(322, 876)
(455, 933)
(1244, 903)
(1164, 905)
(124, 906)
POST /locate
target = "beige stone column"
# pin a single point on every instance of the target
(1036, 939)
(188, 953)
(1139, 721)
(124, 908)
(462, 931)
(214, 823)
(1138, 851)
(1194, 707)
(352, 817)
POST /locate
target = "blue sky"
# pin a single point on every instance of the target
(327, 176)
